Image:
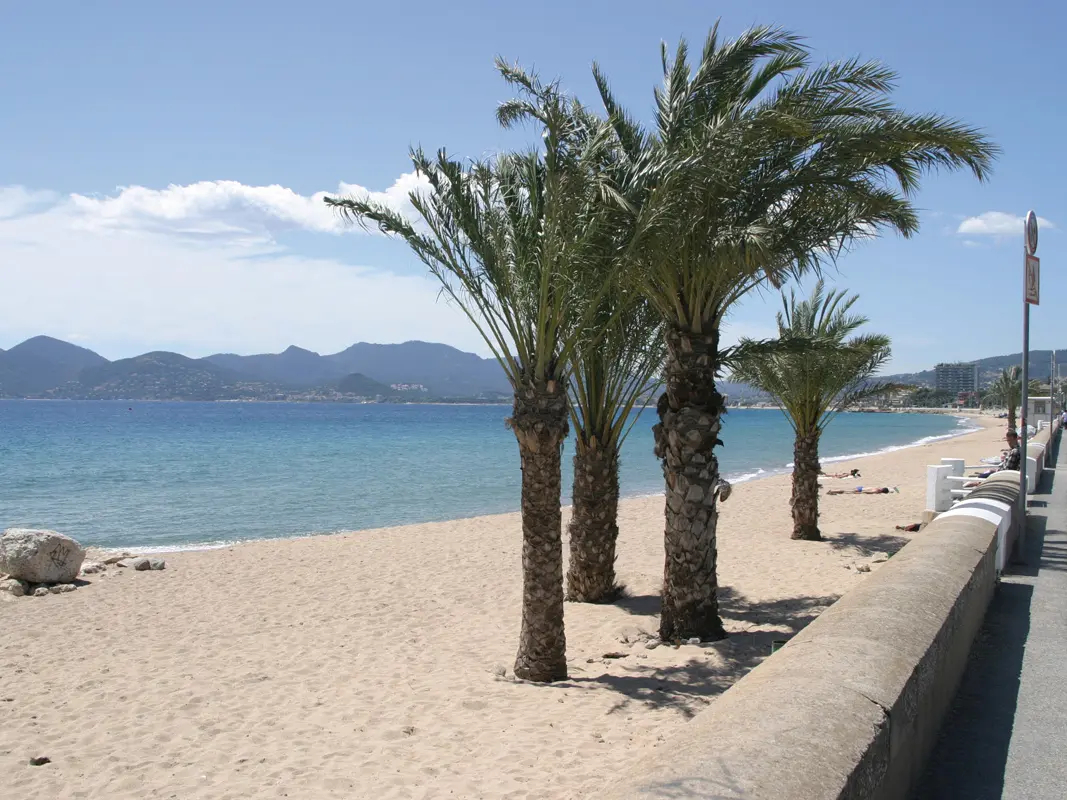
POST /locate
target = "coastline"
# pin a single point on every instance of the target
(377, 664)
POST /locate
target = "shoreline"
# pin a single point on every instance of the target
(760, 474)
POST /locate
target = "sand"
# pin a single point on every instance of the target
(378, 664)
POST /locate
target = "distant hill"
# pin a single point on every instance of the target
(162, 376)
(362, 386)
(443, 370)
(989, 368)
(49, 368)
(42, 363)
(294, 367)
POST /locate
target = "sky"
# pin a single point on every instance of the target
(162, 164)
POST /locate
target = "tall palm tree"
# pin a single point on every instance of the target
(1007, 391)
(515, 241)
(833, 371)
(760, 168)
(612, 373)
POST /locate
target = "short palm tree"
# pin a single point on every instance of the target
(612, 374)
(1007, 391)
(760, 168)
(831, 371)
(514, 242)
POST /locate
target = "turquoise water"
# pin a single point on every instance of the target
(165, 475)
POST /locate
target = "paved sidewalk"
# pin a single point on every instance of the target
(1006, 733)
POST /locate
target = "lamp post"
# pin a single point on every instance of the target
(1031, 296)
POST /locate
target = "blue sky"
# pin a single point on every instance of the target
(159, 162)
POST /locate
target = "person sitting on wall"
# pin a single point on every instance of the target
(1011, 459)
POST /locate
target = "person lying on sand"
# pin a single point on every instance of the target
(864, 490)
(912, 528)
(851, 474)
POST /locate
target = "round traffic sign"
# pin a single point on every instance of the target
(1031, 232)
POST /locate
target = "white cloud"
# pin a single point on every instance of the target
(997, 223)
(228, 210)
(122, 275)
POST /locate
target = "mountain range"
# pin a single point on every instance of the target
(44, 367)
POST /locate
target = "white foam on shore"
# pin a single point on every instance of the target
(144, 550)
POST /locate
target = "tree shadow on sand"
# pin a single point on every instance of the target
(713, 667)
(866, 544)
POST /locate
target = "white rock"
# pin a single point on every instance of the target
(13, 586)
(651, 644)
(92, 567)
(863, 568)
(116, 559)
(62, 588)
(41, 591)
(157, 563)
(694, 640)
(878, 558)
(40, 556)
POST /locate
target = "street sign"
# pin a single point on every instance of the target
(1033, 280)
(1031, 232)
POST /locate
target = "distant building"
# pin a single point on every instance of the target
(956, 378)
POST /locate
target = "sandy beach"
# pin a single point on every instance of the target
(377, 664)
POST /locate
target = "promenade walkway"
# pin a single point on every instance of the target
(1006, 733)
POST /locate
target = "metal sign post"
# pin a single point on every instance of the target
(1031, 295)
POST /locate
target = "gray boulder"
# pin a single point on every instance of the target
(13, 586)
(40, 556)
(157, 563)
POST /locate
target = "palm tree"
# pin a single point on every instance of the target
(611, 375)
(514, 241)
(813, 383)
(1007, 391)
(760, 168)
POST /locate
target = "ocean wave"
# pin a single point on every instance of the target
(141, 550)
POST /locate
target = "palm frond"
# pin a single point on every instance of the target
(817, 368)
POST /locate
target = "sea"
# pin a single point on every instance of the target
(155, 476)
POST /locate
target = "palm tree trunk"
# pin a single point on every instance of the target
(594, 525)
(1011, 417)
(539, 421)
(805, 499)
(690, 413)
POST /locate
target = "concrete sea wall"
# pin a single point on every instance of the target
(852, 705)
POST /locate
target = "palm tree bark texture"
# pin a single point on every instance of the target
(690, 413)
(805, 499)
(539, 421)
(594, 529)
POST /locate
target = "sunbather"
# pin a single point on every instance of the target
(1010, 460)
(864, 490)
(855, 473)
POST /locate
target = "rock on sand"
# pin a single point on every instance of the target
(40, 556)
